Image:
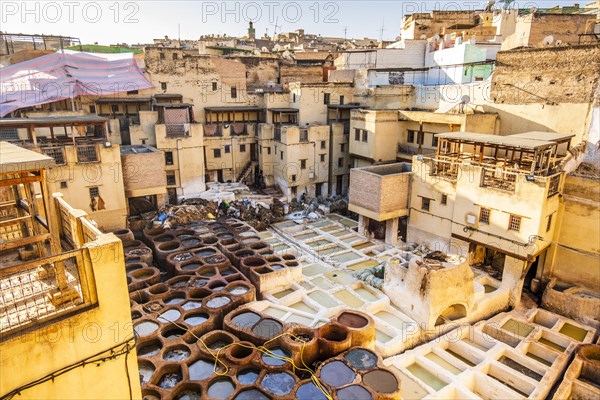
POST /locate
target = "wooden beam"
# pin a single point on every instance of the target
(15, 220)
(16, 181)
(24, 241)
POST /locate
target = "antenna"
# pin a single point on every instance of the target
(345, 31)
(464, 100)
(382, 30)
(275, 26)
(179, 33)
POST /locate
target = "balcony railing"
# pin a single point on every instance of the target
(213, 130)
(498, 179)
(87, 153)
(26, 290)
(277, 133)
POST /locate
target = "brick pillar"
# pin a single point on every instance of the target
(363, 225)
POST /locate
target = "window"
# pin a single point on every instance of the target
(322, 157)
(227, 149)
(175, 56)
(281, 155)
(171, 181)
(484, 215)
(425, 203)
(323, 143)
(342, 147)
(293, 97)
(268, 150)
(58, 153)
(92, 109)
(341, 100)
(63, 184)
(434, 140)
(163, 86)
(326, 98)
(553, 186)
(549, 224)
(168, 157)
(130, 92)
(242, 148)
(356, 134)
(302, 164)
(161, 56)
(293, 178)
(444, 199)
(514, 223)
(114, 108)
(234, 93)
(420, 138)
(87, 153)
(94, 192)
(365, 136)
(410, 137)
(217, 153)
(214, 86)
(341, 162)
(294, 191)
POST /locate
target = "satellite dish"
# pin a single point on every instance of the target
(558, 42)
(466, 99)
(423, 36)
(436, 37)
(548, 40)
(533, 10)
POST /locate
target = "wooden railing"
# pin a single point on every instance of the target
(75, 227)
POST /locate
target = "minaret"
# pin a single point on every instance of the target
(251, 30)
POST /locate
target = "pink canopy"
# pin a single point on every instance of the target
(59, 76)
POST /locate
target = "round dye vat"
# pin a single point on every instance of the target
(176, 354)
(173, 333)
(218, 288)
(204, 252)
(174, 300)
(275, 362)
(191, 267)
(278, 383)
(149, 350)
(267, 328)
(182, 257)
(247, 376)
(196, 319)
(145, 328)
(169, 381)
(337, 374)
(218, 344)
(361, 359)
(352, 320)
(200, 370)
(145, 371)
(275, 267)
(381, 381)
(190, 243)
(199, 282)
(238, 290)
(190, 305)
(251, 394)
(245, 320)
(309, 391)
(353, 392)
(221, 389)
(169, 316)
(190, 395)
(217, 302)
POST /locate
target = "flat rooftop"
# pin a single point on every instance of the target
(506, 141)
(14, 158)
(51, 121)
(138, 149)
(387, 169)
(233, 108)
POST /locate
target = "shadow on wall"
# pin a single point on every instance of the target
(511, 123)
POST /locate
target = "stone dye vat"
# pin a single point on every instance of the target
(582, 378)
(510, 356)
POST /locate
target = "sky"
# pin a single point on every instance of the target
(111, 22)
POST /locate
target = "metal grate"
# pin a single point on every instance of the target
(484, 215)
(25, 295)
(87, 154)
(9, 134)
(514, 223)
(498, 179)
(58, 153)
(171, 181)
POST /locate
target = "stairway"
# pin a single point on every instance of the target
(245, 172)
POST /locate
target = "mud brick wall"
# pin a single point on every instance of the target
(300, 73)
(141, 171)
(551, 75)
